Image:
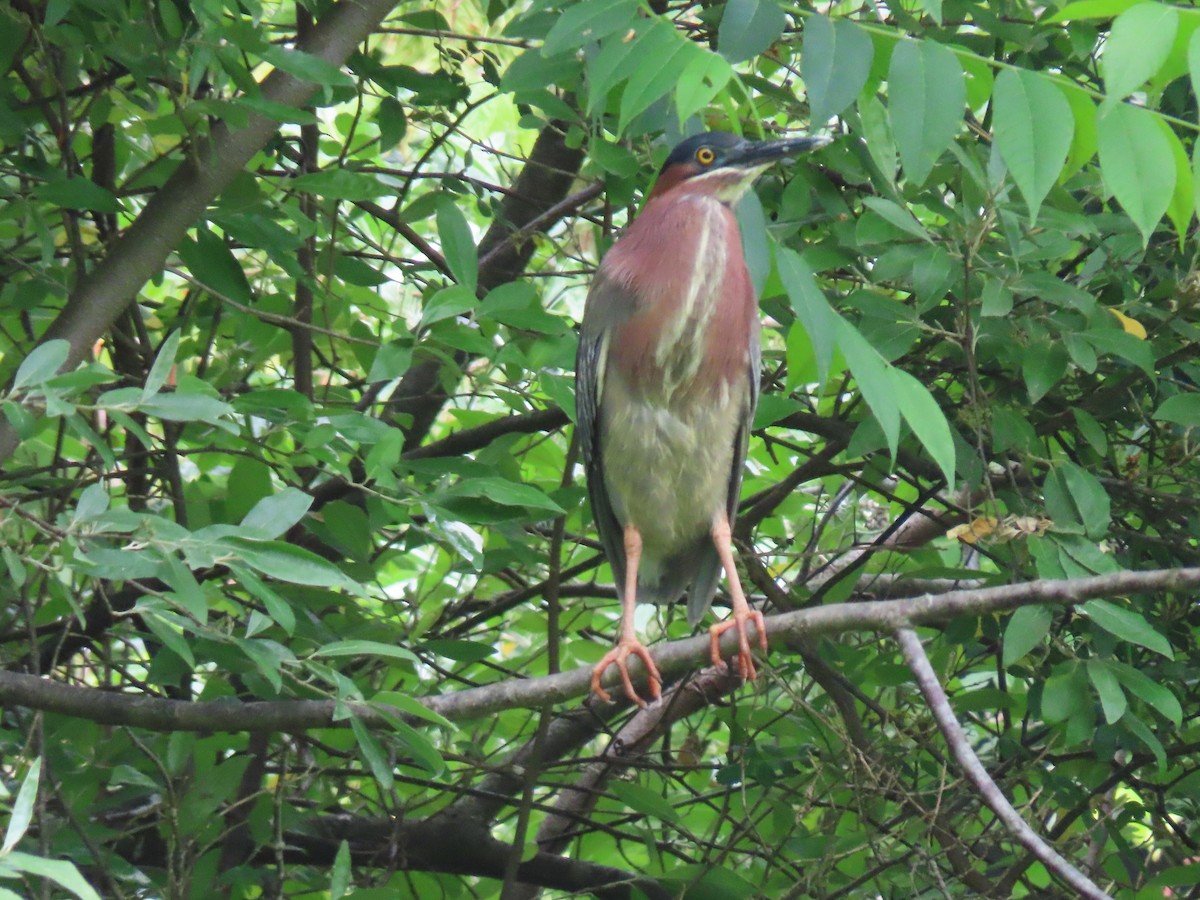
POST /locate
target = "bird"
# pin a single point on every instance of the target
(666, 383)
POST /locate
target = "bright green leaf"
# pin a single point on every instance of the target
(1127, 624)
(834, 65)
(645, 801)
(365, 648)
(1138, 44)
(588, 21)
(1182, 409)
(661, 59)
(926, 99)
(926, 419)
(1150, 691)
(458, 244)
(22, 809)
(277, 512)
(811, 307)
(1033, 128)
(748, 28)
(1138, 164)
(873, 378)
(1112, 698)
(42, 363)
(1026, 629)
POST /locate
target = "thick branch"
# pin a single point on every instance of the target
(914, 655)
(672, 658)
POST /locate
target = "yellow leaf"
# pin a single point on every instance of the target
(1131, 325)
(973, 531)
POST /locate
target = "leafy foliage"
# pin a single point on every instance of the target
(317, 448)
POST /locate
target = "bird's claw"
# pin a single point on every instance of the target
(617, 656)
(745, 659)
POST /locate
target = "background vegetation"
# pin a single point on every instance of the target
(293, 533)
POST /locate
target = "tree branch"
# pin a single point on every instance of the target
(914, 655)
(673, 658)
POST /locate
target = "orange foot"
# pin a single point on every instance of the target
(745, 661)
(617, 656)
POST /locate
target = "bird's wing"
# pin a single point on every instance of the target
(608, 304)
(742, 442)
(708, 565)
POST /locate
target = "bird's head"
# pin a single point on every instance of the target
(723, 165)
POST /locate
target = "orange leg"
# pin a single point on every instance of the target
(742, 613)
(628, 643)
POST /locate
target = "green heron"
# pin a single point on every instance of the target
(666, 384)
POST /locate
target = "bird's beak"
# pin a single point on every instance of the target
(758, 154)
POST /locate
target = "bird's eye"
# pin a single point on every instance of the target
(705, 156)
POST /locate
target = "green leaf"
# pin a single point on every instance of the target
(458, 244)
(163, 363)
(897, 215)
(748, 28)
(813, 310)
(1112, 698)
(1033, 128)
(504, 492)
(78, 193)
(699, 83)
(42, 364)
(1126, 624)
(588, 21)
(276, 513)
(1026, 629)
(22, 810)
(341, 184)
(339, 875)
(422, 750)
(611, 65)
(643, 800)
(305, 66)
(1091, 9)
(373, 753)
(661, 59)
(186, 407)
(392, 121)
(874, 380)
(294, 565)
(459, 650)
(1075, 495)
(446, 304)
(1150, 691)
(93, 501)
(60, 871)
(410, 706)
(1138, 164)
(1193, 61)
(926, 98)
(926, 419)
(365, 648)
(835, 64)
(213, 265)
(1136, 47)
(1092, 431)
(1063, 693)
(1182, 409)
(1183, 200)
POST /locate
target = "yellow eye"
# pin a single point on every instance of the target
(705, 156)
